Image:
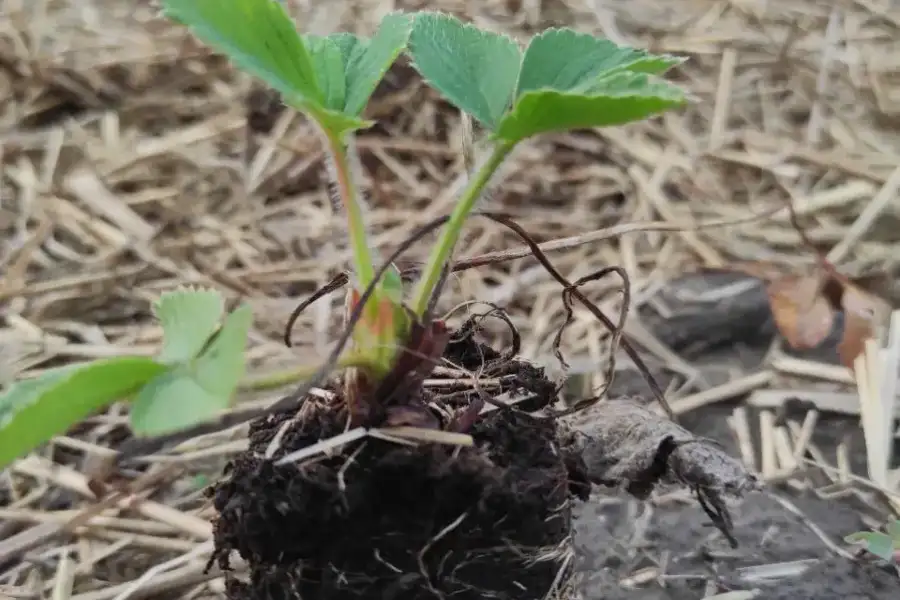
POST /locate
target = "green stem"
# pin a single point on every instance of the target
(346, 186)
(291, 375)
(442, 251)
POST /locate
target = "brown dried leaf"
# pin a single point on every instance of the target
(804, 309)
(803, 315)
(864, 313)
(853, 342)
(624, 443)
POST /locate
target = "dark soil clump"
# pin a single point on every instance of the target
(384, 520)
(515, 376)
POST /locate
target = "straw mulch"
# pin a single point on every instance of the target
(129, 168)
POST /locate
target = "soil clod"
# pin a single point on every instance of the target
(623, 443)
(381, 519)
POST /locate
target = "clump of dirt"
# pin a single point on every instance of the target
(625, 444)
(380, 519)
(514, 376)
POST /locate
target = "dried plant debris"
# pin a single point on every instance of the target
(623, 443)
(805, 307)
(158, 122)
(264, 107)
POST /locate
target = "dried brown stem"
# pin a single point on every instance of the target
(337, 282)
(593, 308)
(617, 332)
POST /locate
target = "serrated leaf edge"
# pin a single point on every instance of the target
(646, 53)
(466, 25)
(298, 102)
(228, 320)
(184, 289)
(382, 71)
(675, 60)
(495, 136)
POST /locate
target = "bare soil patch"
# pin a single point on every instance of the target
(665, 549)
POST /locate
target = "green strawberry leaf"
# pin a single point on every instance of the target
(875, 542)
(620, 98)
(259, 37)
(564, 60)
(173, 401)
(33, 411)
(473, 69)
(366, 61)
(329, 65)
(893, 530)
(350, 67)
(221, 367)
(188, 318)
(198, 391)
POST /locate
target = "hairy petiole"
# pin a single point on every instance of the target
(442, 251)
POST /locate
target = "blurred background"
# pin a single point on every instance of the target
(134, 160)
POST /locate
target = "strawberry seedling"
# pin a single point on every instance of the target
(479, 518)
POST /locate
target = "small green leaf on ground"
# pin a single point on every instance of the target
(193, 393)
(259, 37)
(34, 411)
(173, 401)
(879, 544)
(188, 318)
(893, 530)
(614, 100)
(475, 70)
(221, 367)
(564, 60)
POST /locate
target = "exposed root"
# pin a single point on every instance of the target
(336, 283)
(593, 308)
(490, 520)
(616, 333)
(495, 311)
(294, 400)
(515, 376)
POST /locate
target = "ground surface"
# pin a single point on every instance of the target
(129, 167)
(674, 559)
(668, 550)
